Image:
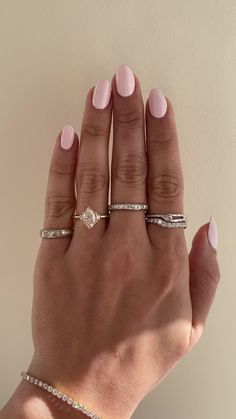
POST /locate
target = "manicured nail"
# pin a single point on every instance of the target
(212, 233)
(101, 94)
(125, 81)
(67, 137)
(157, 103)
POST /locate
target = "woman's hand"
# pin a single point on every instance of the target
(117, 306)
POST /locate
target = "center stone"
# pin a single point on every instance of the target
(89, 217)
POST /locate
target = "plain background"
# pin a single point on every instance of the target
(51, 53)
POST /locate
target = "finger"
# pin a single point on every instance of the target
(60, 196)
(129, 165)
(165, 184)
(92, 177)
(204, 276)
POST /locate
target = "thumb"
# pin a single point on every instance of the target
(204, 276)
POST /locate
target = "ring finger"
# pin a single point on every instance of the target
(165, 178)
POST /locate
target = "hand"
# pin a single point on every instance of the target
(117, 306)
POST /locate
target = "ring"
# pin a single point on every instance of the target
(133, 207)
(89, 217)
(167, 220)
(53, 233)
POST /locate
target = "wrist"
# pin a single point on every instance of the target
(31, 402)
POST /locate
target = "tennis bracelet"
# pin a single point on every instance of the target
(64, 397)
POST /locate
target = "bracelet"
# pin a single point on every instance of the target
(45, 386)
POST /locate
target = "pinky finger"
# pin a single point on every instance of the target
(60, 199)
(204, 277)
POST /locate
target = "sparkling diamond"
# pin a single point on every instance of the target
(74, 404)
(40, 383)
(59, 395)
(35, 381)
(89, 217)
(64, 397)
(69, 401)
(45, 386)
(50, 389)
(31, 379)
(54, 392)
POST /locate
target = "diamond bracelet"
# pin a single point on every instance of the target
(65, 398)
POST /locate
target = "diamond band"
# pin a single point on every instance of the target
(133, 207)
(64, 397)
(165, 224)
(55, 233)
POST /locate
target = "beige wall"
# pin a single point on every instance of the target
(51, 53)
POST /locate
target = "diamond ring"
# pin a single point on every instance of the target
(89, 217)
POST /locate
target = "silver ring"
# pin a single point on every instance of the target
(126, 206)
(53, 233)
(167, 220)
(168, 217)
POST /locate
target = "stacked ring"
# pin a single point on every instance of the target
(90, 217)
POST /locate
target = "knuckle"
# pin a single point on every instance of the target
(181, 344)
(169, 273)
(58, 205)
(162, 141)
(131, 170)
(93, 130)
(121, 263)
(213, 274)
(195, 335)
(92, 179)
(130, 119)
(165, 186)
(165, 274)
(60, 168)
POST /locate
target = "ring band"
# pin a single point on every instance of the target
(166, 224)
(168, 217)
(167, 220)
(53, 233)
(127, 206)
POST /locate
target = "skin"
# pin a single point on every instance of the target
(115, 307)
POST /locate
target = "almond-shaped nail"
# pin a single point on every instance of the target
(101, 94)
(125, 81)
(157, 103)
(67, 137)
(213, 233)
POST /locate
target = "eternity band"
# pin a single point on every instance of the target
(126, 206)
(52, 233)
(64, 397)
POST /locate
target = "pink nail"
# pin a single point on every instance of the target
(212, 233)
(125, 81)
(101, 94)
(67, 137)
(157, 103)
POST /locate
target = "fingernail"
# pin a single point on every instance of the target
(101, 94)
(212, 233)
(125, 82)
(157, 103)
(67, 137)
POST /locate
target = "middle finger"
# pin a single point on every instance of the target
(129, 161)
